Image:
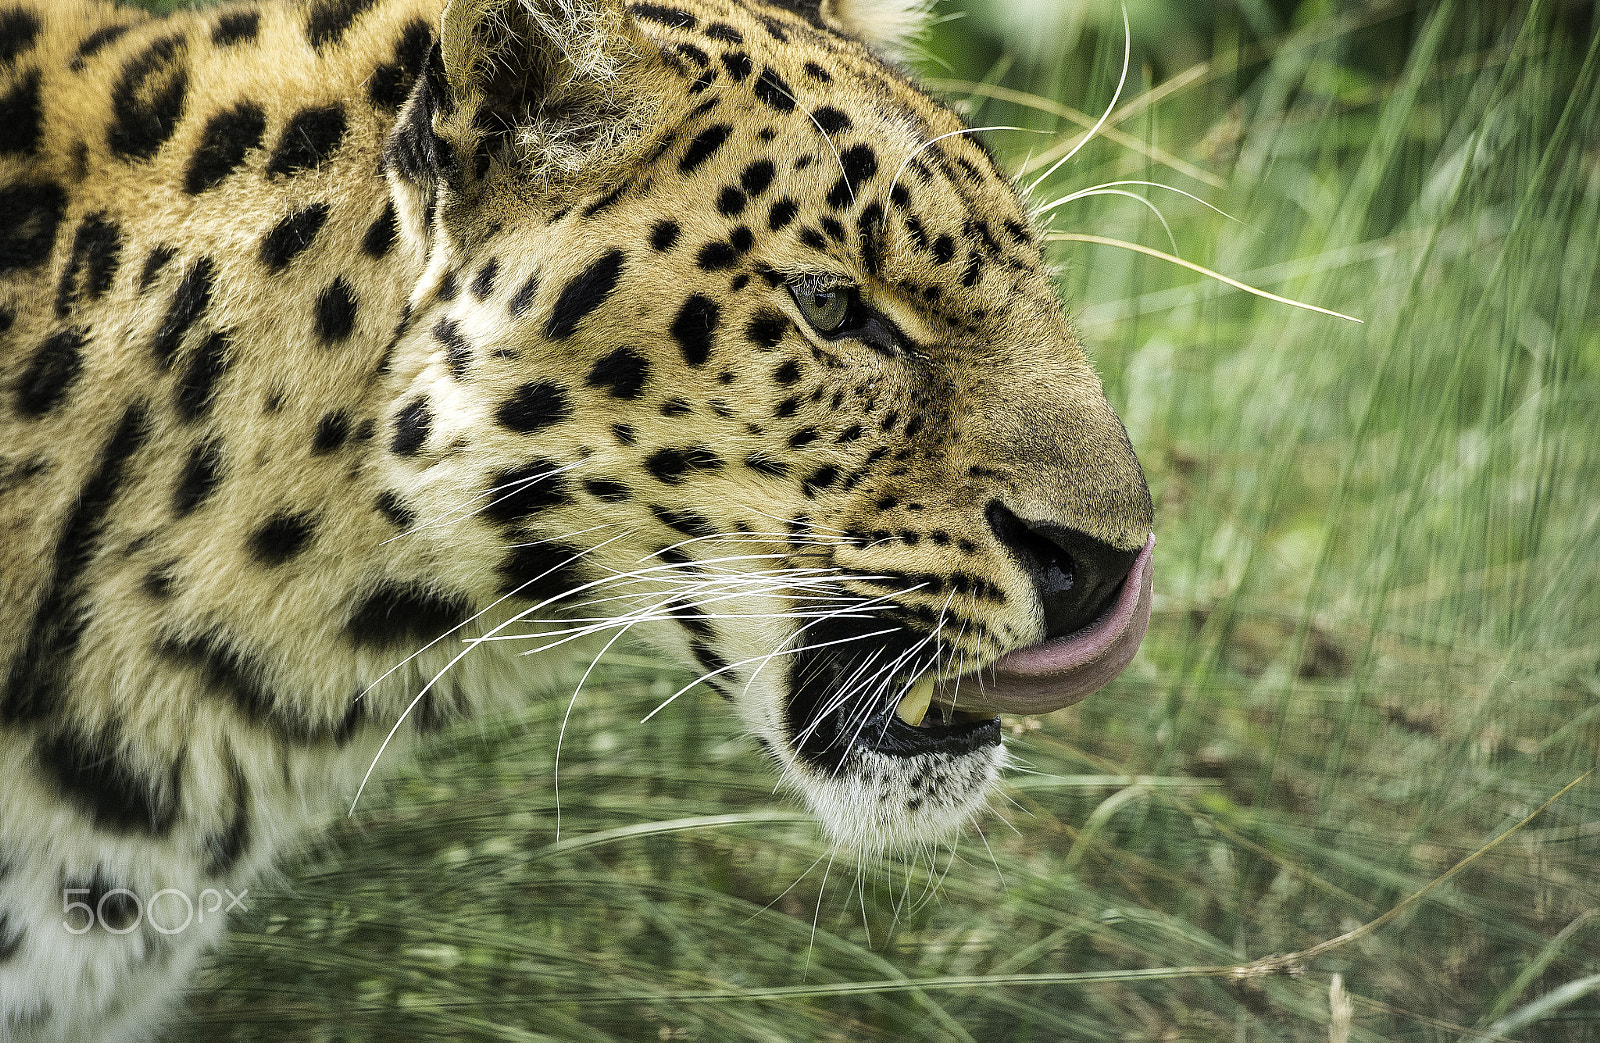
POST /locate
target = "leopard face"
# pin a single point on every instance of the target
(778, 382)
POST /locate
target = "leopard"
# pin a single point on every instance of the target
(372, 365)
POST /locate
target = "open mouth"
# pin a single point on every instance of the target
(957, 715)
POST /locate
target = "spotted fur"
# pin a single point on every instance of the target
(336, 334)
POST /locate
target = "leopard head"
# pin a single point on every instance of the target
(733, 339)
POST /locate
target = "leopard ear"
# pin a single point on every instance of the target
(547, 88)
(890, 26)
(560, 82)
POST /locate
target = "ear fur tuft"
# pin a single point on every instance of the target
(561, 81)
(890, 26)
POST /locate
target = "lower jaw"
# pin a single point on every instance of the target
(828, 750)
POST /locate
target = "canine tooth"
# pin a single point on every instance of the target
(914, 705)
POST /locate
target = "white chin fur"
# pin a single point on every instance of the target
(877, 804)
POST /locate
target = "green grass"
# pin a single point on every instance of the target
(1375, 646)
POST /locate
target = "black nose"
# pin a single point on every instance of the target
(1077, 576)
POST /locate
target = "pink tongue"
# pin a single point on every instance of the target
(1058, 673)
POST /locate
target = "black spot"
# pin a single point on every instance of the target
(586, 292)
(540, 571)
(761, 463)
(944, 248)
(236, 27)
(692, 618)
(392, 81)
(787, 373)
(95, 773)
(803, 437)
(310, 139)
(292, 235)
(31, 691)
(158, 259)
(812, 238)
(859, 163)
(607, 490)
(51, 372)
(20, 116)
(381, 233)
(771, 88)
(202, 472)
(158, 583)
(224, 849)
(330, 18)
(226, 138)
(693, 53)
(775, 29)
(406, 615)
(731, 202)
(188, 303)
(822, 478)
(19, 27)
(738, 65)
(664, 235)
(523, 298)
(710, 662)
(622, 373)
(457, 352)
(818, 73)
(870, 227)
(716, 256)
(672, 17)
(10, 937)
(695, 328)
(834, 229)
(973, 271)
(30, 211)
(148, 98)
(483, 282)
(522, 492)
(332, 430)
(624, 433)
(534, 405)
(766, 329)
(831, 120)
(449, 287)
(704, 145)
(94, 43)
(783, 211)
(672, 465)
(393, 508)
(756, 177)
(336, 312)
(724, 32)
(786, 408)
(411, 427)
(676, 407)
(238, 677)
(690, 523)
(199, 379)
(96, 250)
(282, 537)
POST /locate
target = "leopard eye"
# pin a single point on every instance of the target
(825, 307)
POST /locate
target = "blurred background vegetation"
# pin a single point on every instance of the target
(1375, 643)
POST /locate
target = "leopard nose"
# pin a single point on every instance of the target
(1076, 575)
